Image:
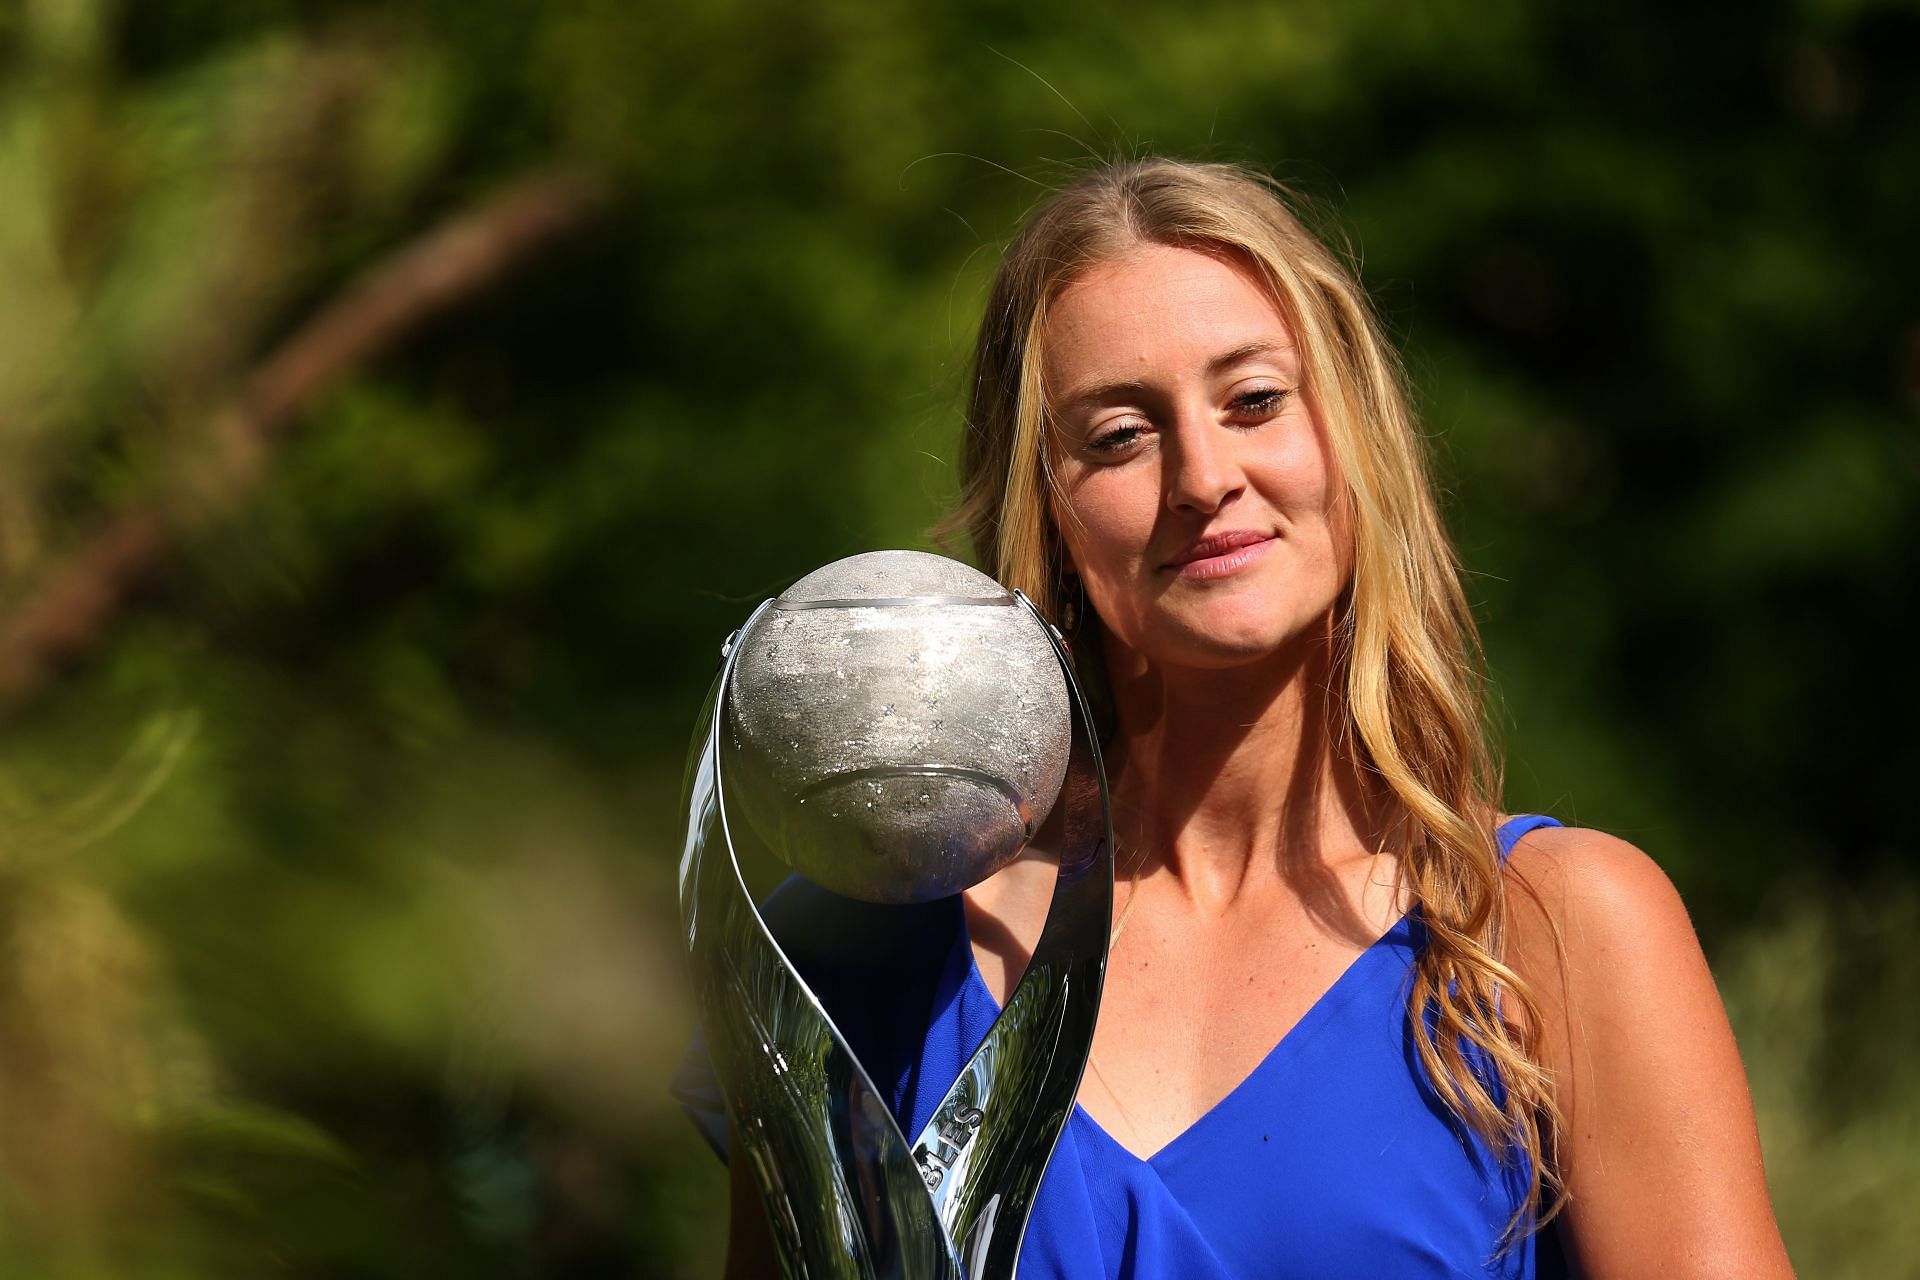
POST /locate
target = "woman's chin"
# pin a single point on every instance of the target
(1230, 643)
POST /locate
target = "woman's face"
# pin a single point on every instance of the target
(1198, 500)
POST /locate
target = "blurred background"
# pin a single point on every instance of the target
(400, 401)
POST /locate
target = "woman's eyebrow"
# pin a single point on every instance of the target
(1248, 351)
(1101, 393)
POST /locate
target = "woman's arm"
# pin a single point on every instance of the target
(1660, 1152)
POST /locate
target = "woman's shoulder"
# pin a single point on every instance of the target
(1597, 929)
(1659, 1150)
(1577, 877)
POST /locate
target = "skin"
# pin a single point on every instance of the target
(1257, 862)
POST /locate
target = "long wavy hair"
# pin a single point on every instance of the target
(1406, 648)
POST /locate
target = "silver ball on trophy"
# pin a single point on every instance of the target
(898, 727)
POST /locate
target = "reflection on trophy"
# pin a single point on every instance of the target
(896, 727)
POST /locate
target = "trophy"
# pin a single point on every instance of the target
(897, 727)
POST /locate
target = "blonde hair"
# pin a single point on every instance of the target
(1406, 646)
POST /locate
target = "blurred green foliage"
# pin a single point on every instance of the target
(336, 923)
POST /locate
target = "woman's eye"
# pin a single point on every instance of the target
(1114, 439)
(1262, 404)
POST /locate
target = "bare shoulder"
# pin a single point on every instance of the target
(1599, 933)
(1594, 892)
(1658, 1148)
(1600, 871)
(1005, 914)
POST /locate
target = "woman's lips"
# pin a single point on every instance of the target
(1221, 555)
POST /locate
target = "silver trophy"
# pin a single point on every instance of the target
(897, 727)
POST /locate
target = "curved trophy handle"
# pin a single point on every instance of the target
(842, 1194)
(845, 1195)
(990, 1139)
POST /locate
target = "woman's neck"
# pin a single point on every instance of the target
(1235, 780)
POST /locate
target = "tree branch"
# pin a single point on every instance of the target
(70, 612)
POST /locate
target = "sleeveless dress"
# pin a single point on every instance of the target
(1333, 1158)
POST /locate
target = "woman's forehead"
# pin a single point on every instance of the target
(1159, 306)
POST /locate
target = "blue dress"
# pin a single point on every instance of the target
(1334, 1157)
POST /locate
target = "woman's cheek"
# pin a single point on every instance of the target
(1114, 519)
(1102, 577)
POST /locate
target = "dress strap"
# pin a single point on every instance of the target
(1518, 825)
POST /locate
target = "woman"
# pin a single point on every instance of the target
(1353, 1022)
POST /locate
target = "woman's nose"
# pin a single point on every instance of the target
(1202, 466)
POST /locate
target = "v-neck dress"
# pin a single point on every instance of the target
(1333, 1158)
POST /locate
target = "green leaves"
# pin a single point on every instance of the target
(344, 827)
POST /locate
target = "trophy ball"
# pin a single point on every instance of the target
(897, 727)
